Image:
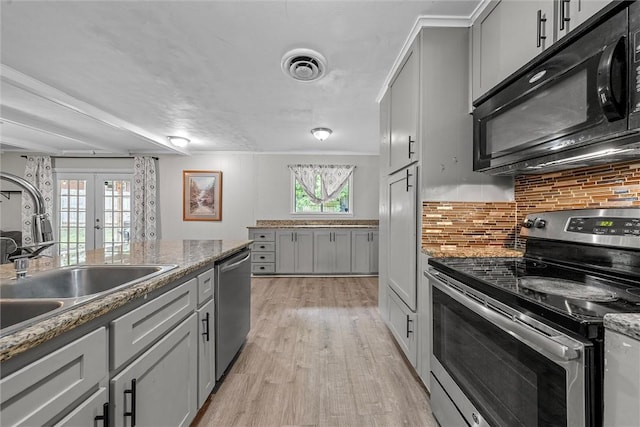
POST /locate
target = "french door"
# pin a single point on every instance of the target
(93, 211)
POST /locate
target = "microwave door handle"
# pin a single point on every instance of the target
(612, 103)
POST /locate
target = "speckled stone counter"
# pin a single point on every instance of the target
(316, 223)
(471, 252)
(188, 255)
(626, 324)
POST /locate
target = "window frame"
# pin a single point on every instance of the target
(341, 214)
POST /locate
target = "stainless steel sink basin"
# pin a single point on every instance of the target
(79, 281)
(17, 311)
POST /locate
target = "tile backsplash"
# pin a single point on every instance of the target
(469, 224)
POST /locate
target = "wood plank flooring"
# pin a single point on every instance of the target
(318, 354)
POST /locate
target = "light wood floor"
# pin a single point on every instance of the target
(318, 354)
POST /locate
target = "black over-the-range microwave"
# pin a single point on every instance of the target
(577, 104)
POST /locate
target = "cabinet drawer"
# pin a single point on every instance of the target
(262, 235)
(46, 388)
(88, 410)
(263, 247)
(263, 257)
(135, 331)
(206, 281)
(263, 268)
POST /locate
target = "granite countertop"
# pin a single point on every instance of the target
(626, 324)
(315, 223)
(471, 252)
(188, 255)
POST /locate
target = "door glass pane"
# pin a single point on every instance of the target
(117, 214)
(72, 202)
(509, 382)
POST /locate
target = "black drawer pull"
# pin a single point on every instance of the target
(105, 415)
(132, 413)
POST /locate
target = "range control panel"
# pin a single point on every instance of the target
(610, 226)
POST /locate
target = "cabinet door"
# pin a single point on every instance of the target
(92, 412)
(304, 251)
(402, 242)
(402, 323)
(373, 252)
(621, 379)
(360, 251)
(575, 12)
(507, 35)
(404, 112)
(324, 251)
(342, 251)
(160, 387)
(206, 352)
(285, 252)
(44, 389)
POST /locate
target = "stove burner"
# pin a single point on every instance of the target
(567, 288)
(634, 291)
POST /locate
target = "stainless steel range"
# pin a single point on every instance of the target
(520, 341)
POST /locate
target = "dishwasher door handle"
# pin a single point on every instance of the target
(227, 267)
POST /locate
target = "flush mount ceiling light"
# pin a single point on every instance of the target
(304, 65)
(321, 133)
(179, 141)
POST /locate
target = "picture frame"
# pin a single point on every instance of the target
(201, 195)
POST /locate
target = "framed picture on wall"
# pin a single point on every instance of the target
(201, 196)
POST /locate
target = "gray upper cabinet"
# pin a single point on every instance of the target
(332, 251)
(294, 251)
(508, 34)
(160, 387)
(404, 112)
(364, 251)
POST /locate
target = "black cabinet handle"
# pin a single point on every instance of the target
(411, 141)
(132, 412)
(409, 321)
(539, 34)
(205, 322)
(408, 176)
(563, 13)
(105, 415)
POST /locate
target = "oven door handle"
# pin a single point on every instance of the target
(565, 351)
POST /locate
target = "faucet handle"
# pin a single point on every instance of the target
(21, 265)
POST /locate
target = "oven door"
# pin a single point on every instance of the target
(573, 99)
(500, 368)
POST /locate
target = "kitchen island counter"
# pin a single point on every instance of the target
(189, 256)
(625, 324)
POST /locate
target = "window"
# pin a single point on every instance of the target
(340, 205)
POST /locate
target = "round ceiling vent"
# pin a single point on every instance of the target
(304, 65)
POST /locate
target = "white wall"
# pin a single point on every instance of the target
(254, 186)
(10, 218)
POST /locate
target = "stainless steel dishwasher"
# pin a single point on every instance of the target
(233, 307)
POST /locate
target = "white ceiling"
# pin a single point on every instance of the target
(119, 76)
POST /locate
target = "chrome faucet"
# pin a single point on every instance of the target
(41, 230)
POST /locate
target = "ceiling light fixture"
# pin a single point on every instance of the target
(179, 141)
(321, 133)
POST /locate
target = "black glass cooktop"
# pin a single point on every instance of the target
(579, 294)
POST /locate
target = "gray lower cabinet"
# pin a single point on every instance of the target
(53, 387)
(95, 408)
(160, 386)
(364, 251)
(294, 251)
(332, 251)
(206, 352)
(403, 326)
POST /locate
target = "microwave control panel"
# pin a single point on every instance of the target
(627, 227)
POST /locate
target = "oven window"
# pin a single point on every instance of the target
(507, 381)
(552, 111)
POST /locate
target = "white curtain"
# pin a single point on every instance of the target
(332, 177)
(145, 198)
(39, 172)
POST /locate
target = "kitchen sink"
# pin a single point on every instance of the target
(17, 311)
(79, 281)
